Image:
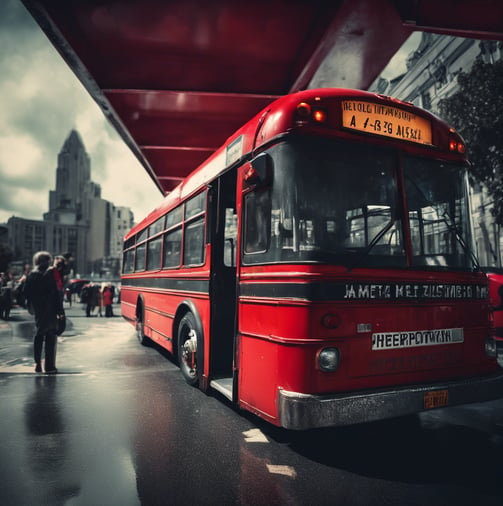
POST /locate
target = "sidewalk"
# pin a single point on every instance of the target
(22, 323)
(16, 337)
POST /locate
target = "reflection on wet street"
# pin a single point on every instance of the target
(119, 426)
(46, 443)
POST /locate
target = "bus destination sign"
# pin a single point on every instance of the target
(385, 120)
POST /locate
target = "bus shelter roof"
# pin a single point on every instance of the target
(177, 77)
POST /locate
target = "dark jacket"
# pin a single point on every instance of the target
(43, 296)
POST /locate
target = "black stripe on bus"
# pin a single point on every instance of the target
(364, 290)
(179, 284)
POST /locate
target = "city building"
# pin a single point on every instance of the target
(78, 221)
(431, 76)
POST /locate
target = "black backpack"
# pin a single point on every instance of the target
(33, 290)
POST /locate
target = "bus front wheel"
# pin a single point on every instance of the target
(188, 341)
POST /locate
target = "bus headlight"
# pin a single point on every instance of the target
(490, 347)
(328, 359)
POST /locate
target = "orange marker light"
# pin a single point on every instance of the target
(319, 115)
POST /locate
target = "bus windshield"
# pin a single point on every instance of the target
(338, 203)
(437, 204)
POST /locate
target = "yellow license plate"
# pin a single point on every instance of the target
(436, 399)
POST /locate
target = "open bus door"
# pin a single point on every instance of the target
(223, 292)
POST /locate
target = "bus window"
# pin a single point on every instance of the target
(366, 223)
(172, 248)
(154, 254)
(257, 221)
(141, 236)
(156, 227)
(329, 203)
(128, 261)
(139, 263)
(174, 217)
(195, 205)
(193, 250)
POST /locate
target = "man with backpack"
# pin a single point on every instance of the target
(45, 302)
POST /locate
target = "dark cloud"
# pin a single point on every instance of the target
(17, 201)
(49, 126)
(13, 16)
(101, 153)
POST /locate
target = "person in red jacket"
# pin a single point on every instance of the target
(108, 298)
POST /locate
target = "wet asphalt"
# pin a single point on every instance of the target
(118, 426)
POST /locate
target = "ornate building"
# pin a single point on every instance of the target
(431, 76)
(79, 221)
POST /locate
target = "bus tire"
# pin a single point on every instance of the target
(188, 341)
(140, 325)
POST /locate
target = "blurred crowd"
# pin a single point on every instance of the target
(97, 297)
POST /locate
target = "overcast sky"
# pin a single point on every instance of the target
(41, 102)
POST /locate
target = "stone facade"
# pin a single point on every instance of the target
(431, 76)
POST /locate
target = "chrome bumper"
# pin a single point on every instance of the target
(305, 411)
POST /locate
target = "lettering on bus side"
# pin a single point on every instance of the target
(414, 291)
(364, 291)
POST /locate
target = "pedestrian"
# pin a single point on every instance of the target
(91, 294)
(99, 298)
(59, 274)
(108, 298)
(68, 295)
(6, 295)
(19, 288)
(45, 302)
(87, 297)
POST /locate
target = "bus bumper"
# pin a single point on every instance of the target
(306, 411)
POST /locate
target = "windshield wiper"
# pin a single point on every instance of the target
(447, 219)
(371, 244)
(451, 225)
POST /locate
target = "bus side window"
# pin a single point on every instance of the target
(257, 222)
(193, 251)
(172, 248)
(139, 264)
(128, 261)
(230, 236)
(154, 254)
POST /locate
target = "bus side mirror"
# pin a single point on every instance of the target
(259, 172)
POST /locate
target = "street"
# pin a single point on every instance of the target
(118, 426)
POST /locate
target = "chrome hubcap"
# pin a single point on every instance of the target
(189, 350)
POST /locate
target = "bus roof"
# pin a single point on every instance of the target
(272, 121)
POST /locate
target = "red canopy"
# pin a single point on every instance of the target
(177, 77)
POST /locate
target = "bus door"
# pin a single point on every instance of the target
(223, 283)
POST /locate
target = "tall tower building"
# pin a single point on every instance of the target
(67, 202)
(78, 221)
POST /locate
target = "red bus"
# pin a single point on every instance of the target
(495, 276)
(317, 269)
